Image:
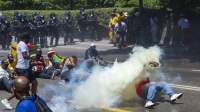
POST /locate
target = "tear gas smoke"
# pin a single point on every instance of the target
(110, 85)
(106, 86)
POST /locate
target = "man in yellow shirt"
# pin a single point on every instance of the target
(11, 61)
(112, 23)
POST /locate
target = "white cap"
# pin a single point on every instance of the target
(92, 44)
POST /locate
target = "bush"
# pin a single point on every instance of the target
(103, 14)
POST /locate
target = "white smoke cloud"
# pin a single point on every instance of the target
(106, 86)
(109, 86)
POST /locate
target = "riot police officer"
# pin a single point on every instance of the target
(92, 23)
(24, 23)
(32, 28)
(81, 19)
(4, 32)
(41, 29)
(68, 24)
(52, 24)
(16, 26)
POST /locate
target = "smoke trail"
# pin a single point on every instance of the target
(110, 85)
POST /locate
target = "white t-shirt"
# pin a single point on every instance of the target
(21, 62)
(3, 73)
(121, 28)
(183, 23)
(153, 24)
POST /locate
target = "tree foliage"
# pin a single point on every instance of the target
(76, 4)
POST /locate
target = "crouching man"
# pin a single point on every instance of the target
(38, 67)
(147, 90)
(68, 64)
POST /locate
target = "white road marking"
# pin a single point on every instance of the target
(185, 87)
(195, 70)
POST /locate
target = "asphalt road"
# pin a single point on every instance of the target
(181, 67)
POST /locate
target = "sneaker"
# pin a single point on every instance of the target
(176, 96)
(54, 74)
(149, 104)
(6, 103)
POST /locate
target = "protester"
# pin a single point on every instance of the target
(22, 67)
(69, 63)
(120, 30)
(154, 28)
(5, 84)
(11, 61)
(147, 90)
(184, 25)
(21, 90)
(92, 53)
(112, 23)
(138, 29)
(53, 59)
(38, 67)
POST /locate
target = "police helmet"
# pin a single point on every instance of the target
(16, 13)
(52, 14)
(23, 16)
(42, 17)
(81, 10)
(67, 13)
(19, 16)
(38, 17)
(34, 13)
(91, 12)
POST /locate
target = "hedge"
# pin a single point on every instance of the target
(103, 14)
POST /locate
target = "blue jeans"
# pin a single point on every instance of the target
(154, 88)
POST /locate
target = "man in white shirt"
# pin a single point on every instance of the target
(22, 66)
(120, 30)
(5, 83)
(184, 25)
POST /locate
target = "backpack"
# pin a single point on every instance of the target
(40, 106)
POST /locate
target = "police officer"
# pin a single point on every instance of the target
(92, 23)
(16, 26)
(33, 28)
(81, 19)
(52, 24)
(5, 30)
(41, 29)
(68, 24)
(24, 23)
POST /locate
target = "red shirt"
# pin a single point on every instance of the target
(139, 85)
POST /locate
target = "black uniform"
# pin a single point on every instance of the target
(92, 23)
(52, 24)
(33, 29)
(67, 25)
(16, 26)
(81, 19)
(41, 30)
(4, 32)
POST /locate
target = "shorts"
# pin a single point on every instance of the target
(26, 73)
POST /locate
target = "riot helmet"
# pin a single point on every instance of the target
(34, 14)
(23, 17)
(19, 16)
(82, 10)
(15, 13)
(91, 12)
(38, 17)
(67, 13)
(3, 18)
(52, 15)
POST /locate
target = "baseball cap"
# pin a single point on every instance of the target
(92, 44)
(4, 62)
(25, 35)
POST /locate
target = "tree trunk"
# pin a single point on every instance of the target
(141, 6)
